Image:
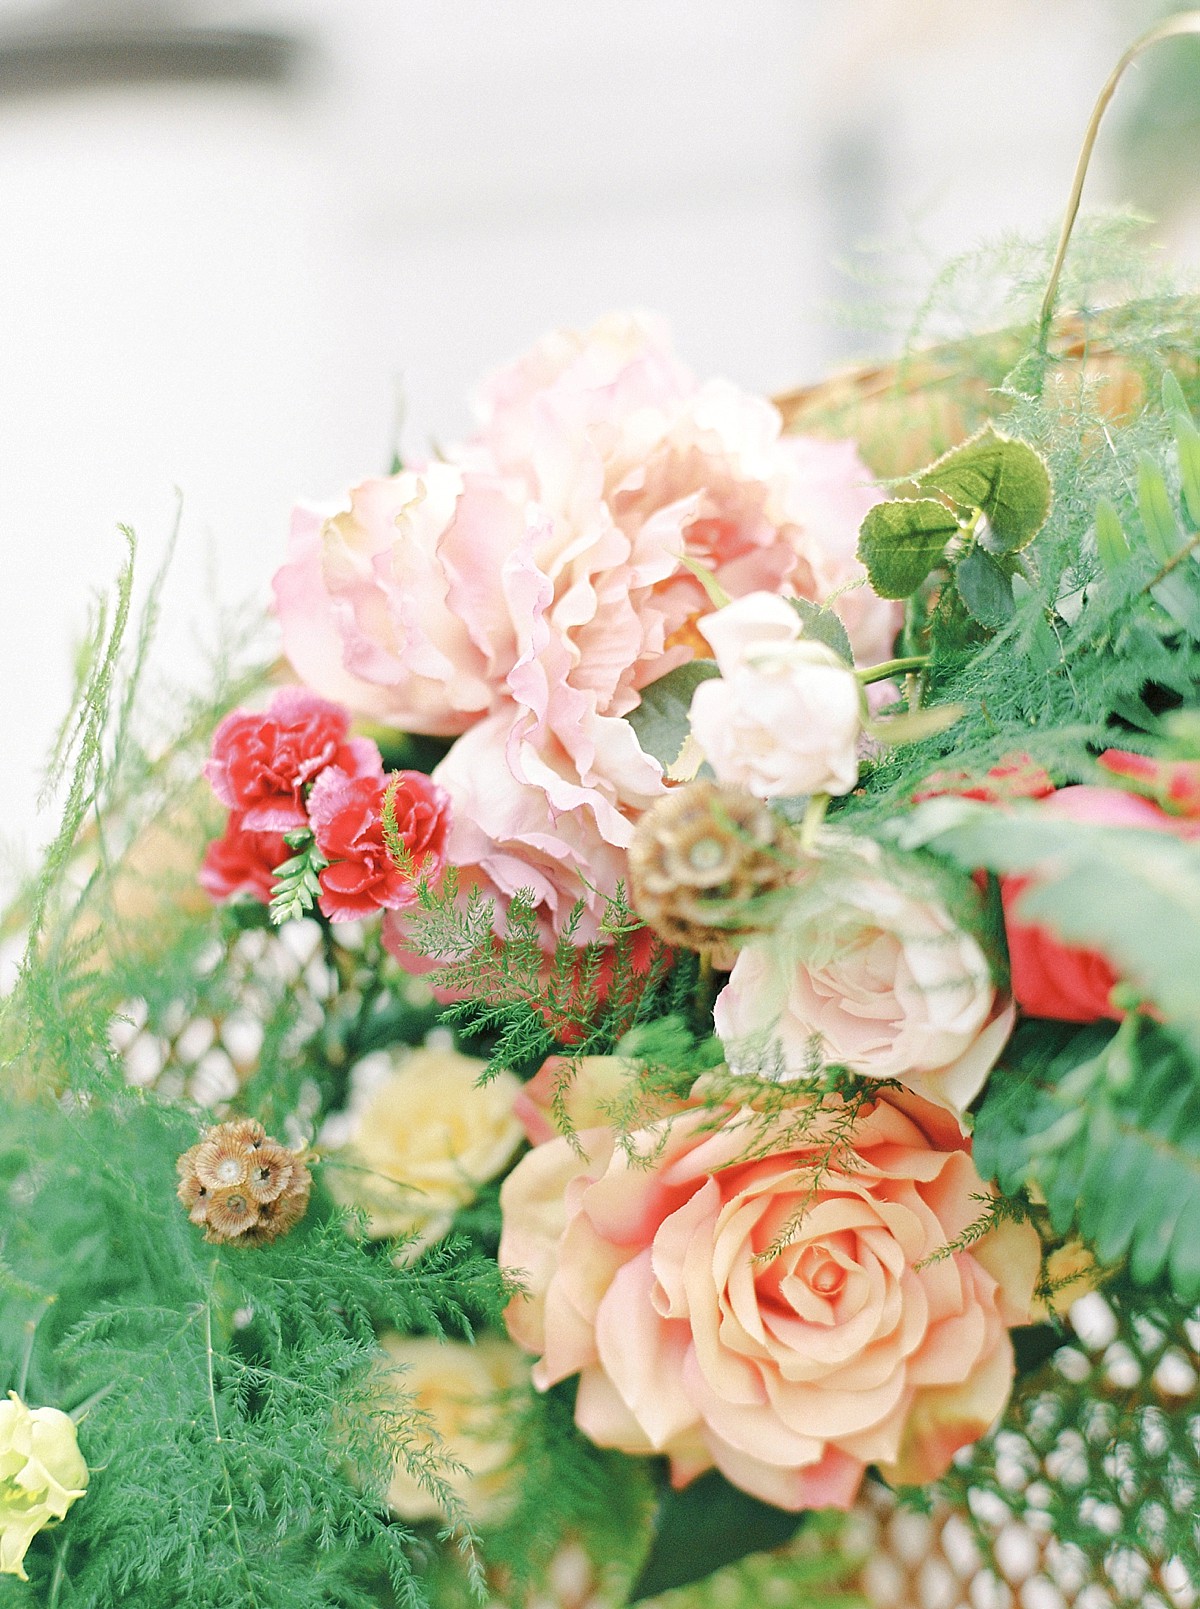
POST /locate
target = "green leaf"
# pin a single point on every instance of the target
(822, 625)
(703, 1527)
(297, 886)
(901, 541)
(1107, 1125)
(1111, 542)
(1132, 895)
(984, 587)
(1179, 594)
(1187, 440)
(1163, 536)
(1007, 479)
(660, 721)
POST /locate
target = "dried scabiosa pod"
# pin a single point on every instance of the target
(240, 1186)
(703, 863)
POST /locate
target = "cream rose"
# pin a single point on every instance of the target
(766, 1295)
(42, 1473)
(785, 716)
(461, 1390)
(423, 1135)
(869, 973)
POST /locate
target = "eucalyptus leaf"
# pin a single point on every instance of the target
(984, 587)
(1111, 542)
(705, 1526)
(822, 625)
(1005, 478)
(1163, 536)
(660, 721)
(901, 541)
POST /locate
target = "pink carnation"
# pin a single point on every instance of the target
(347, 821)
(261, 763)
(242, 862)
(853, 1344)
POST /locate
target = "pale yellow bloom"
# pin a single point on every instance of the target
(42, 1472)
(423, 1141)
(462, 1389)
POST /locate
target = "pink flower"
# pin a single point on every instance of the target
(262, 763)
(785, 715)
(347, 821)
(869, 972)
(1173, 784)
(745, 1293)
(526, 592)
(1053, 979)
(242, 862)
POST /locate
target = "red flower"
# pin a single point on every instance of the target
(261, 763)
(346, 813)
(242, 862)
(1052, 979)
(1174, 784)
(1016, 777)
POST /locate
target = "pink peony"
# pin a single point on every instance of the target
(261, 763)
(242, 862)
(527, 591)
(347, 821)
(746, 1292)
(1053, 979)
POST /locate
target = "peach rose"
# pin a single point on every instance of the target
(461, 1389)
(871, 973)
(757, 1293)
(586, 1087)
(785, 715)
(422, 1135)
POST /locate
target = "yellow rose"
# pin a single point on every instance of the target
(461, 1389)
(423, 1140)
(42, 1472)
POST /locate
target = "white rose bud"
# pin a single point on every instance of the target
(785, 716)
(42, 1473)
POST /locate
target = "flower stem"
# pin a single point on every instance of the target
(891, 667)
(1185, 22)
(814, 815)
(31, 1328)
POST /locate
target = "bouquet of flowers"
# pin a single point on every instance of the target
(623, 1054)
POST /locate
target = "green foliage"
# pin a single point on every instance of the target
(660, 720)
(1133, 895)
(1107, 1126)
(984, 587)
(297, 885)
(822, 625)
(1002, 478)
(703, 1527)
(902, 541)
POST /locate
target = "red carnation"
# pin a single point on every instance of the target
(1018, 776)
(261, 763)
(242, 862)
(346, 813)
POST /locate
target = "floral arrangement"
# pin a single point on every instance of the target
(716, 936)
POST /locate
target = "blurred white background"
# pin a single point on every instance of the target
(219, 285)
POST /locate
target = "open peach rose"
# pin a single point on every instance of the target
(757, 1293)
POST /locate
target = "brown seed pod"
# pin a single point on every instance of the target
(241, 1186)
(702, 862)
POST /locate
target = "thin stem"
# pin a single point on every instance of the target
(230, 1509)
(1184, 552)
(60, 1570)
(78, 1414)
(1186, 22)
(31, 1329)
(814, 815)
(891, 667)
(912, 691)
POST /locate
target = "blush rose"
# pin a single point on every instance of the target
(872, 973)
(745, 1293)
(785, 715)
